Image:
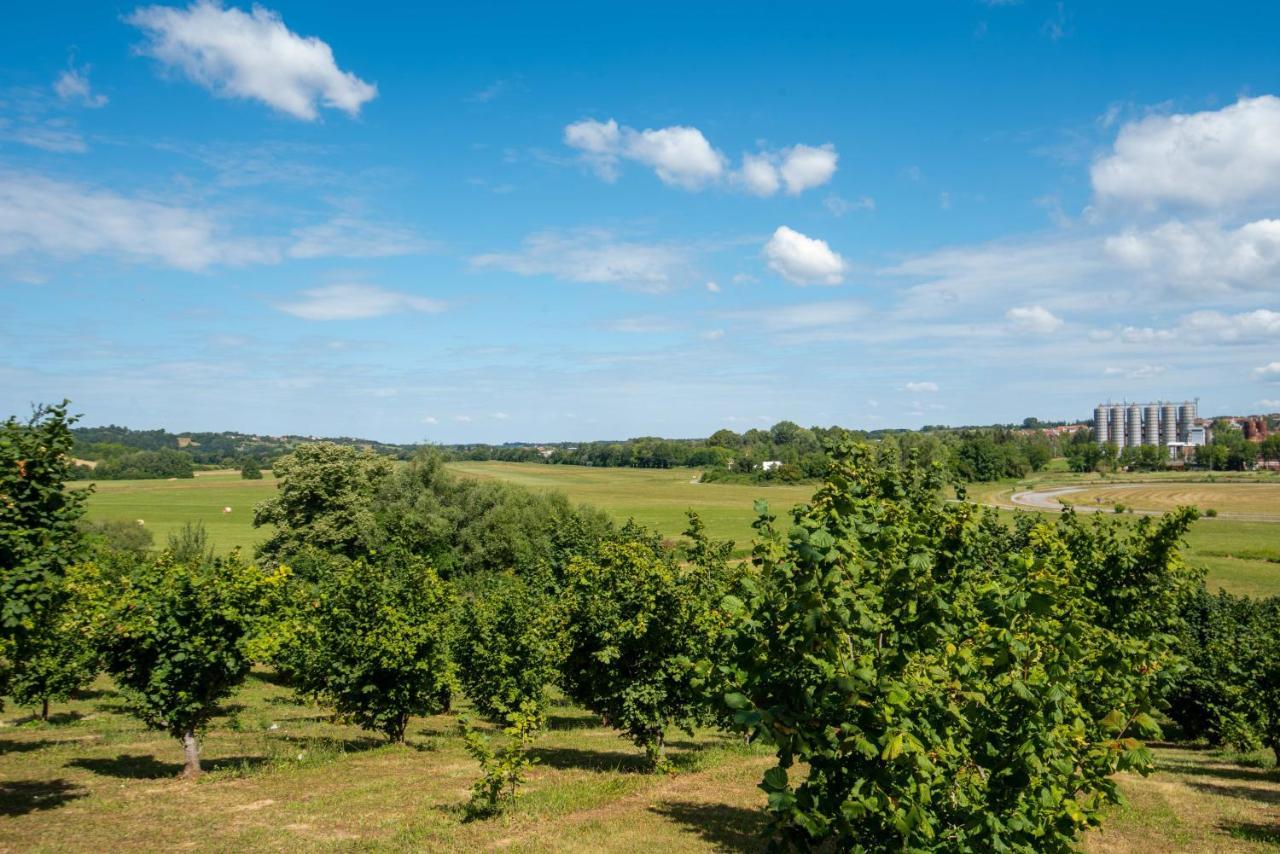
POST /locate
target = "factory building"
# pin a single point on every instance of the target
(1163, 424)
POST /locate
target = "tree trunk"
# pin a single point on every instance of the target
(191, 749)
(44, 709)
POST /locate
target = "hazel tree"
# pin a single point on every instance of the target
(380, 634)
(946, 682)
(177, 637)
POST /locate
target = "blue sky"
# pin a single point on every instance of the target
(571, 221)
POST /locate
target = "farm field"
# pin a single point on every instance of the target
(1241, 556)
(93, 778)
(166, 505)
(657, 498)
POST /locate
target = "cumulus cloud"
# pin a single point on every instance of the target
(42, 215)
(356, 302)
(798, 168)
(683, 157)
(1203, 252)
(594, 256)
(921, 387)
(1033, 319)
(1212, 159)
(73, 85)
(1269, 371)
(803, 260)
(250, 55)
(712, 287)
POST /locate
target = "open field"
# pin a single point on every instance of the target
(1241, 556)
(94, 779)
(657, 498)
(166, 505)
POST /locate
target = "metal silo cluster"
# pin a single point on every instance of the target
(1130, 425)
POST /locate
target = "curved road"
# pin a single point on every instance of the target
(1048, 500)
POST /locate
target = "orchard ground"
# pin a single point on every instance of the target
(287, 775)
(1241, 556)
(284, 775)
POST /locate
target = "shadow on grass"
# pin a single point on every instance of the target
(139, 766)
(726, 827)
(93, 694)
(602, 761)
(358, 744)
(10, 745)
(1224, 772)
(1253, 831)
(1264, 796)
(571, 722)
(270, 677)
(19, 797)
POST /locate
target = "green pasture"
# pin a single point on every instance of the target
(166, 505)
(1240, 556)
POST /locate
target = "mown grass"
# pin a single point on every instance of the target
(165, 506)
(285, 775)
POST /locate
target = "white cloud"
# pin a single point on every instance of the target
(73, 85)
(804, 167)
(838, 206)
(1270, 403)
(1033, 319)
(803, 260)
(681, 156)
(1135, 372)
(595, 256)
(56, 135)
(647, 325)
(501, 416)
(430, 419)
(356, 302)
(1269, 371)
(1200, 253)
(798, 168)
(462, 419)
(351, 237)
(1213, 159)
(921, 387)
(39, 214)
(759, 175)
(253, 55)
(713, 334)
(801, 316)
(713, 287)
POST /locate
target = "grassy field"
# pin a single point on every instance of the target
(283, 775)
(657, 498)
(166, 505)
(1241, 556)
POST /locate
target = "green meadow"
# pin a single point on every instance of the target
(1240, 556)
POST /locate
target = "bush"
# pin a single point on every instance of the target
(508, 646)
(1211, 512)
(944, 681)
(638, 622)
(121, 535)
(380, 633)
(250, 470)
(503, 769)
(179, 640)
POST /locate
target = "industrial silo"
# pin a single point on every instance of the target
(1151, 424)
(1101, 426)
(1168, 424)
(1115, 434)
(1186, 420)
(1133, 426)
